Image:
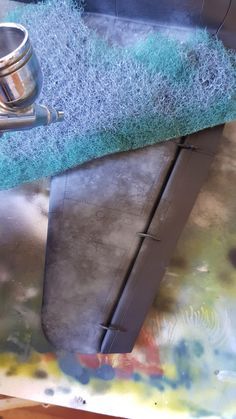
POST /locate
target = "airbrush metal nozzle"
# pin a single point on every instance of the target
(36, 116)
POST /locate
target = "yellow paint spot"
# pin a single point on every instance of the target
(169, 371)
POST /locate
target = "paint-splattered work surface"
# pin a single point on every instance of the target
(184, 363)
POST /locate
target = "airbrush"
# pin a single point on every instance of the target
(21, 82)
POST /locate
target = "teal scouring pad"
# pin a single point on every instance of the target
(114, 98)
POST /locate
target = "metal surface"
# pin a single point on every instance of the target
(35, 116)
(99, 266)
(95, 214)
(175, 13)
(20, 82)
(213, 13)
(169, 218)
(218, 16)
(226, 31)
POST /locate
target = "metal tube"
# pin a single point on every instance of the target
(40, 115)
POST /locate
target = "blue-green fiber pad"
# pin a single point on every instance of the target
(114, 98)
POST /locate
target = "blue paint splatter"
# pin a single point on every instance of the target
(160, 381)
(65, 390)
(181, 349)
(105, 372)
(182, 361)
(184, 354)
(136, 377)
(170, 382)
(198, 349)
(185, 379)
(156, 382)
(49, 392)
(84, 376)
(70, 365)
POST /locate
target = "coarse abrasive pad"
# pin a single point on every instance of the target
(115, 98)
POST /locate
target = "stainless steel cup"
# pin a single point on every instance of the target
(21, 82)
(20, 72)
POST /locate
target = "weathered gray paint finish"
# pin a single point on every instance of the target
(188, 174)
(96, 212)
